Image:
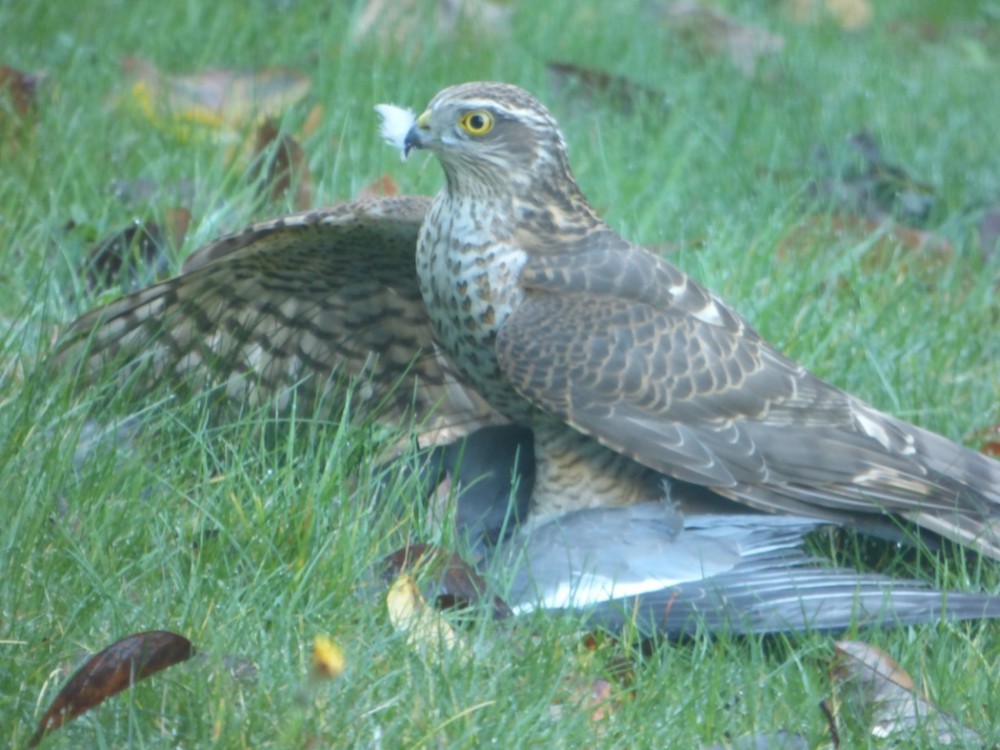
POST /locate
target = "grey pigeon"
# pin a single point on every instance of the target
(669, 573)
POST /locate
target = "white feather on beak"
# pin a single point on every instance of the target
(396, 123)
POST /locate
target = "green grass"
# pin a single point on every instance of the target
(251, 545)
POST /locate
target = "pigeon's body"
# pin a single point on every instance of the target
(646, 565)
(649, 565)
(626, 368)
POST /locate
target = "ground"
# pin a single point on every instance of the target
(250, 542)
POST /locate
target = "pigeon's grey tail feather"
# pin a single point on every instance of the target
(792, 596)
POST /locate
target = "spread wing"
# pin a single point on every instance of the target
(290, 306)
(627, 349)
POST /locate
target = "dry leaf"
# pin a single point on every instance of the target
(876, 204)
(279, 167)
(18, 105)
(312, 122)
(907, 250)
(869, 185)
(401, 21)
(590, 84)
(383, 186)
(328, 661)
(19, 89)
(454, 582)
(426, 631)
(114, 669)
(850, 15)
(873, 691)
(989, 441)
(601, 705)
(214, 99)
(595, 697)
(989, 233)
(136, 255)
(715, 33)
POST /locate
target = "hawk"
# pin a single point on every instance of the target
(627, 369)
(523, 306)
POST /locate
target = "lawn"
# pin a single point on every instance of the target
(250, 535)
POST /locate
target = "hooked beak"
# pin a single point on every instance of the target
(418, 135)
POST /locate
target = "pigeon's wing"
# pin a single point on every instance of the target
(720, 574)
(292, 306)
(627, 349)
(791, 593)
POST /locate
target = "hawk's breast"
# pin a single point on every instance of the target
(469, 282)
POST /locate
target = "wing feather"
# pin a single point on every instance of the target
(288, 307)
(627, 349)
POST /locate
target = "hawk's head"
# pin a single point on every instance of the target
(491, 136)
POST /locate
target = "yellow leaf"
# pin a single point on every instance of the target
(425, 629)
(210, 100)
(328, 660)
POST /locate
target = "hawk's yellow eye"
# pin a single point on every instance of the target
(479, 122)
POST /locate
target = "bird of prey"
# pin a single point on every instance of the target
(627, 370)
(523, 305)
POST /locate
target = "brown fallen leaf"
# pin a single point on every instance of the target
(18, 106)
(858, 179)
(279, 167)
(601, 704)
(989, 440)
(400, 21)
(454, 583)
(596, 697)
(850, 15)
(889, 244)
(589, 85)
(311, 124)
(136, 255)
(716, 33)
(381, 187)
(19, 89)
(212, 100)
(989, 233)
(875, 694)
(114, 669)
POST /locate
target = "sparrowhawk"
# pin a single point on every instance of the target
(523, 305)
(627, 369)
